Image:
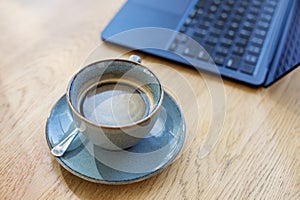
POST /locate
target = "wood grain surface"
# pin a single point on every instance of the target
(43, 43)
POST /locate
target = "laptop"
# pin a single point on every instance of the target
(250, 41)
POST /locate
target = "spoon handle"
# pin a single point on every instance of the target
(62, 146)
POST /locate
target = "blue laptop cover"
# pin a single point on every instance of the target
(169, 15)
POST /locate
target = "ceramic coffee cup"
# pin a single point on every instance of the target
(115, 103)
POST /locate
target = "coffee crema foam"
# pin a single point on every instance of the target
(114, 104)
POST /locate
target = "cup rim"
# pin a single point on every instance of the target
(146, 118)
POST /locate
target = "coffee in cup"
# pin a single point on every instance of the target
(115, 103)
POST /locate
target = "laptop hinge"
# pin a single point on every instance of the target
(287, 56)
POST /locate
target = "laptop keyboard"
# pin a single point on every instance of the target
(231, 31)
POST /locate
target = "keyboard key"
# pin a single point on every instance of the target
(269, 10)
(208, 48)
(220, 24)
(193, 13)
(173, 46)
(217, 2)
(234, 25)
(231, 2)
(238, 17)
(199, 32)
(254, 49)
(251, 18)
(201, 3)
(263, 25)
(248, 69)
(202, 55)
(226, 42)
(238, 50)
(245, 34)
(260, 33)
(227, 8)
(222, 50)
(245, 3)
(200, 12)
(241, 10)
(233, 62)
(194, 22)
(181, 38)
(212, 40)
(251, 59)
(230, 34)
(242, 42)
(257, 3)
(224, 16)
(198, 39)
(187, 21)
(210, 16)
(191, 49)
(272, 3)
(183, 29)
(216, 31)
(204, 24)
(248, 25)
(266, 17)
(213, 8)
(187, 51)
(219, 59)
(257, 41)
(254, 10)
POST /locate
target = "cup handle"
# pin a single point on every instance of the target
(59, 149)
(135, 58)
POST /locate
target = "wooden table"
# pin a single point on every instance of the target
(43, 43)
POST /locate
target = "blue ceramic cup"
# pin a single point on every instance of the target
(115, 103)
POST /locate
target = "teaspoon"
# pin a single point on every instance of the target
(59, 149)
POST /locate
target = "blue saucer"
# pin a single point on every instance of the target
(145, 159)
